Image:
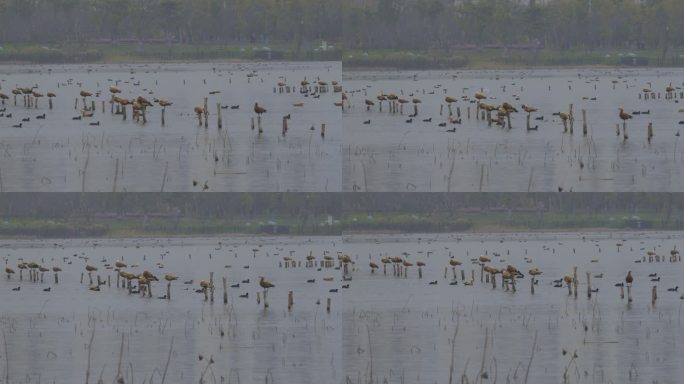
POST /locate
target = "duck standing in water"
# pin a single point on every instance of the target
(259, 109)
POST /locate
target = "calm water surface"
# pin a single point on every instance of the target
(61, 154)
(389, 154)
(393, 329)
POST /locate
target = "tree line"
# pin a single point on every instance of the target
(183, 21)
(557, 24)
(356, 24)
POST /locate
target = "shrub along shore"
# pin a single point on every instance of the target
(386, 222)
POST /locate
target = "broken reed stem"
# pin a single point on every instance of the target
(209, 362)
(529, 183)
(90, 349)
(85, 168)
(211, 285)
(529, 364)
(118, 370)
(453, 352)
(4, 339)
(218, 111)
(650, 132)
(484, 354)
(206, 113)
(116, 174)
(588, 285)
(225, 290)
(168, 360)
(370, 352)
(166, 169)
(532, 285)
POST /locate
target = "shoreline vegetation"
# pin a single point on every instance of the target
(77, 215)
(502, 58)
(358, 223)
(149, 52)
(489, 57)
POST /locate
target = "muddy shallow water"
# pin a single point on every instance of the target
(385, 153)
(397, 329)
(59, 154)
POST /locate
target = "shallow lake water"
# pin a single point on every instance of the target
(383, 152)
(58, 154)
(393, 329)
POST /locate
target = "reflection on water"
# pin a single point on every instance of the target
(54, 153)
(394, 329)
(385, 153)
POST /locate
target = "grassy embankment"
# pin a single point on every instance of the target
(502, 222)
(490, 58)
(486, 58)
(155, 52)
(352, 223)
(152, 227)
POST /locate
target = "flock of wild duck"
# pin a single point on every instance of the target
(119, 104)
(134, 281)
(488, 109)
